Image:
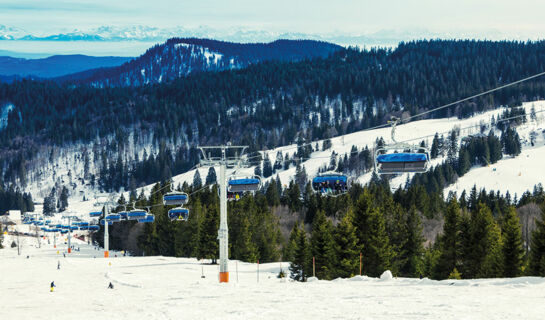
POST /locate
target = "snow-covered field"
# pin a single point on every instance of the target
(172, 288)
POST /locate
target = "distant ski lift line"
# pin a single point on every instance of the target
(434, 109)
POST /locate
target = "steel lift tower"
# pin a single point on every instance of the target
(224, 157)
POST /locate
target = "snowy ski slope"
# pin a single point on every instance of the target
(172, 288)
(168, 288)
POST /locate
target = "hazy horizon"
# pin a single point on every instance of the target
(364, 23)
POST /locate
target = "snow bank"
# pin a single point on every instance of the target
(386, 275)
(172, 288)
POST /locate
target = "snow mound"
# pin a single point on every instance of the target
(359, 278)
(312, 279)
(386, 275)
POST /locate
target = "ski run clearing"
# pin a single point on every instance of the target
(172, 288)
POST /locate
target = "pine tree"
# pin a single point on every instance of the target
(434, 152)
(63, 199)
(464, 162)
(197, 181)
(49, 203)
(244, 248)
(300, 264)
(483, 253)
(322, 246)
(301, 177)
(513, 253)
(257, 170)
(347, 248)
(293, 196)
(452, 147)
(449, 242)
(211, 176)
(533, 115)
(494, 144)
(278, 162)
(413, 249)
(536, 264)
(273, 198)
(208, 242)
(371, 230)
(333, 161)
(288, 253)
(267, 167)
(511, 142)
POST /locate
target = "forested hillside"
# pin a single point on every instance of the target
(264, 105)
(179, 57)
(321, 94)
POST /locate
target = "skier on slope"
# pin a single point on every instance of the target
(110, 286)
(52, 285)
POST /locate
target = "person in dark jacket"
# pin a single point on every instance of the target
(110, 286)
(52, 285)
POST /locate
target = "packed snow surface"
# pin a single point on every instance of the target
(172, 288)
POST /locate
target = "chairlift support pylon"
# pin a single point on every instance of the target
(224, 161)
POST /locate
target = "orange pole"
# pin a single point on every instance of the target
(106, 254)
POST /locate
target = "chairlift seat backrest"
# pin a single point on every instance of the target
(113, 217)
(244, 185)
(393, 163)
(147, 219)
(136, 214)
(175, 198)
(402, 157)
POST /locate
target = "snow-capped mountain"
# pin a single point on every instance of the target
(11, 33)
(179, 57)
(244, 34)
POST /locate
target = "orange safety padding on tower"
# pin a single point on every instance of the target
(224, 276)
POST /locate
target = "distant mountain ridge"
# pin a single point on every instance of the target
(54, 66)
(179, 57)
